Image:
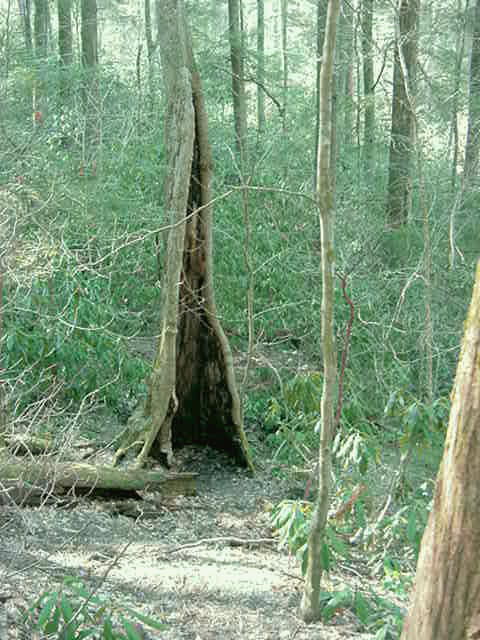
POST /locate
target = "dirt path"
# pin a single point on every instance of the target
(214, 590)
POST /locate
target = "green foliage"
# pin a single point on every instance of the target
(290, 520)
(289, 421)
(73, 612)
(375, 614)
(417, 423)
(58, 341)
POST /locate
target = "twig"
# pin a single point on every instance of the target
(232, 541)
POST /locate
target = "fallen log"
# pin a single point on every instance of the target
(50, 477)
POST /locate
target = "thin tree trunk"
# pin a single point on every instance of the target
(457, 79)
(89, 35)
(472, 147)
(40, 28)
(260, 67)
(238, 79)
(368, 88)
(321, 17)
(284, 22)
(310, 605)
(399, 194)
(26, 11)
(65, 44)
(445, 604)
(150, 48)
(345, 55)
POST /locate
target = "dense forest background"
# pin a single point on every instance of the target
(83, 229)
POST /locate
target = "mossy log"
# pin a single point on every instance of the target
(60, 478)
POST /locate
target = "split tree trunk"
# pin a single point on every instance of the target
(310, 605)
(446, 601)
(192, 396)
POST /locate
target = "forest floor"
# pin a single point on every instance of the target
(169, 565)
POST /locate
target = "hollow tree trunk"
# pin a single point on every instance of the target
(192, 397)
(445, 604)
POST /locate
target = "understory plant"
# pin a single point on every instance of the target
(75, 612)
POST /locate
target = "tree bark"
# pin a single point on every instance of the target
(284, 20)
(260, 67)
(310, 605)
(192, 396)
(25, 12)
(399, 193)
(89, 36)
(40, 28)
(50, 476)
(235, 32)
(368, 88)
(65, 39)
(321, 17)
(65, 44)
(445, 603)
(473, 132)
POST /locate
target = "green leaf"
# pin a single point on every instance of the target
(108, 630)
(362, 608)
(340, 600)
(130, 630)
(151, 622)
(66, 608)
(47, 608)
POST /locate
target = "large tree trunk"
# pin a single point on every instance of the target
(310, 605)
(235, 31)
(192, 397)
(446, 601)
(402, 133)
(472, 147)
